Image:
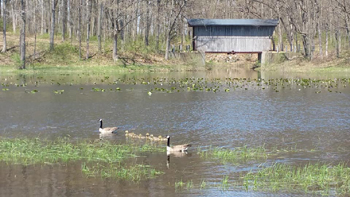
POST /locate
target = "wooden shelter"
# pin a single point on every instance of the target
(232, 35)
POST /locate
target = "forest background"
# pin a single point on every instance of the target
(124, 32)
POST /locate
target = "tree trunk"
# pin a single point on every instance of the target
(70, 20)
(167, 46)
(158, 25)
(88, 13)
(306, 45)
(79, 27)
(326, 49)
(4, 25)
(115, 36)
(297, 47)
(147, 23)
(280, 41)
(320, 39)
(137, 27)
(35, 30)
(347, 21)
(52, 31)
(42, 17)
(23, 36)
(64, 19)
(337, 46)
(115, 45)
(99, 27)
(14, 23)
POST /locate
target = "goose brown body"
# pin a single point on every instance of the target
(106, 129)
(176, 148)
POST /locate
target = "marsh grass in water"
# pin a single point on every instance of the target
(101, 158)
(224, 183)
(239, 154)
(184, 185)
(311, 178)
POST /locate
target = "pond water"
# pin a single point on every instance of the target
(224, 108)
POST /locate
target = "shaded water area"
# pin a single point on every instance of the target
(226, 108)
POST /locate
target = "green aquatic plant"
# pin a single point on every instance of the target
(182, 185)
(239, 154)
(203, 184)
(224, 183)
(98, 90)
(189, 184)
(311, 178)
(179, 184)
(98, 158)
(58, 91)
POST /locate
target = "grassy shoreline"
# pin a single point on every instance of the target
(65, 59)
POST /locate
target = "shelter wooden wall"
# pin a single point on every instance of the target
(233, 38)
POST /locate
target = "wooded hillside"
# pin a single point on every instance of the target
(313, 27)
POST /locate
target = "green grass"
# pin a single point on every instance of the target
(184, 185)
(99, 159)
(311, 178)
(239, 154)
(224, 183)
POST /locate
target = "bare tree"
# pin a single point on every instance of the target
(99, 26)
(147, 22)
(175, 9)
(70, 20)
(14, 16)
(4, 25)
(158, 25)
(302, 23)
(42, 16)
(23, 36)
(79, 26)
(52, 31)
(116, 14)
(344, 6)
(64, 19)
(88, 25)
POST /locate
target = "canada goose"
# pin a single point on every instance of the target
(106, 129)
(177, 148)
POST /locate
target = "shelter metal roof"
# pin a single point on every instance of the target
(232, 22)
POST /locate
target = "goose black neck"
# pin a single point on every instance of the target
(101, 124)
(168, 143)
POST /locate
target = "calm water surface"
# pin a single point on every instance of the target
(309, 118)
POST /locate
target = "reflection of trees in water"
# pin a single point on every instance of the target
(22, 78)
(233, 72)
(217, 71)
